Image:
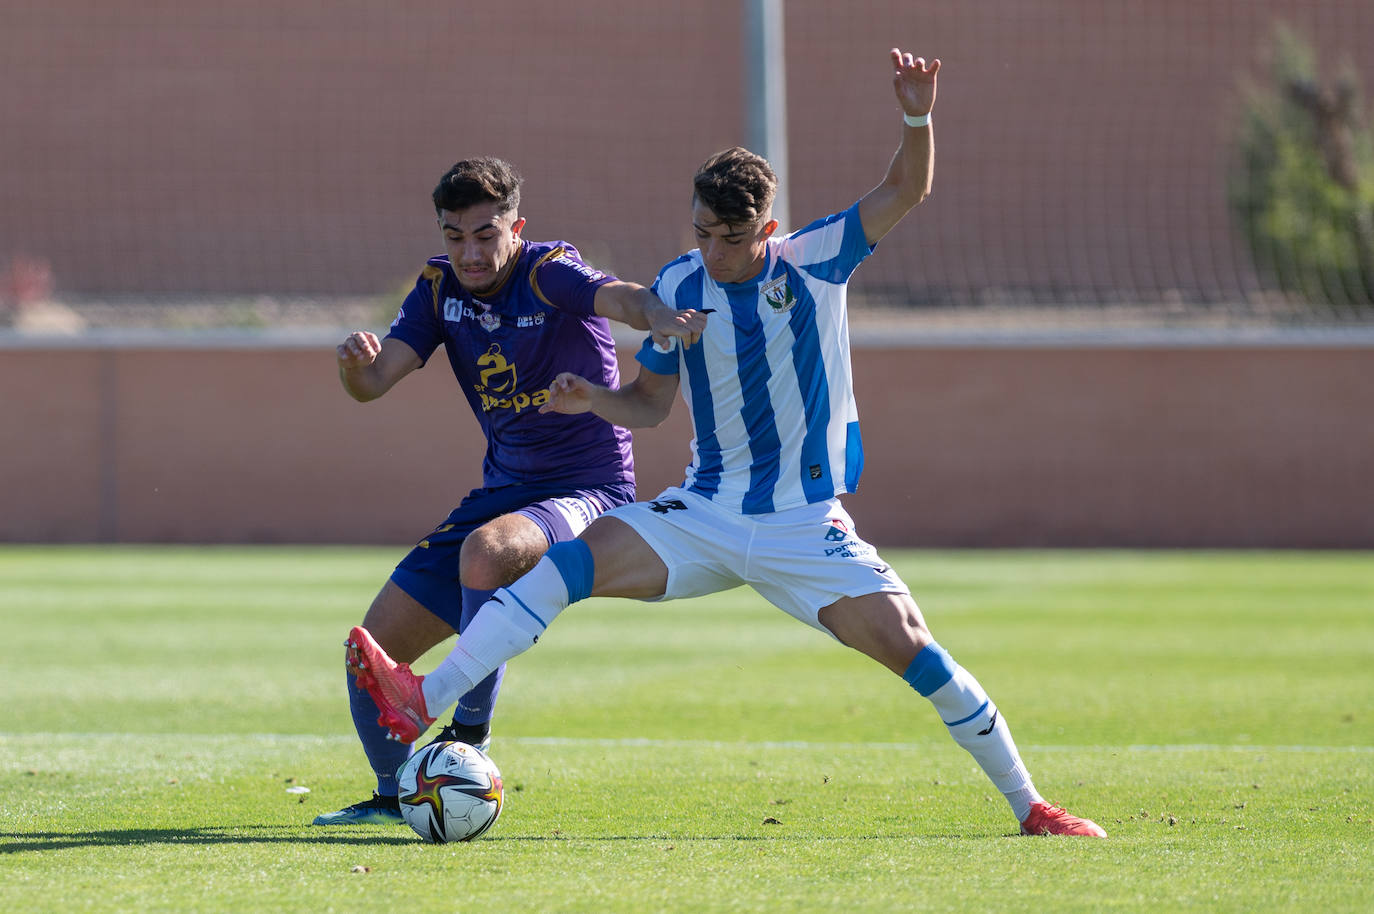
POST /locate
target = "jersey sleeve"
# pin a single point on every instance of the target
(561, 280)
(666, 286)
(420, 322)
(830, 248)
(657, 359)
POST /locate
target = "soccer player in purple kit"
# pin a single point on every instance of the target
(511, 315)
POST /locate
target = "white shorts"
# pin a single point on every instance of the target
(800, 560)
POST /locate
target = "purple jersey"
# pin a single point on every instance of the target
(507, 347)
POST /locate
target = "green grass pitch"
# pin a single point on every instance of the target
(1214, 711)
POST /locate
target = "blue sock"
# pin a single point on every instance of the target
(574, 562)
(386, 756)
(479, 704)
(932, 668)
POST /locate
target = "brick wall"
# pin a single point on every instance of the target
(1218, 446)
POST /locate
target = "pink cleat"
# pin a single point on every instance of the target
(392, 685)
(1045, 819)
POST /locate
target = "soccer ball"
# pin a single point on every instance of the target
(450, 792)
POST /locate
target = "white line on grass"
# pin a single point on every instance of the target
(645, 742)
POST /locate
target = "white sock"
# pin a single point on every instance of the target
(505, 626)
(977, 725)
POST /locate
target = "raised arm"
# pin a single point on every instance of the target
(912, 170)
(631, 303)
(369, 369)
(643, 403)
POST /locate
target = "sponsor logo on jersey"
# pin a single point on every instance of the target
(779, 295)
(498, 375)
(519, 402)
(592, 273)
(498, 380)
(455, 311)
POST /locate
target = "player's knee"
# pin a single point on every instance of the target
(913, 622)
(495, 556)
(887, 627)
(482, 571)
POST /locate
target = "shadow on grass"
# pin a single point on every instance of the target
(14, 843)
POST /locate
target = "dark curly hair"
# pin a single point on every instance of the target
(737, 185)
(481, 180)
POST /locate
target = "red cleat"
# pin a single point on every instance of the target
(1045, 819)
(392, 685)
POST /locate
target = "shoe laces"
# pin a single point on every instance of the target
(378, 802)
(1041, 812)
(450, 733)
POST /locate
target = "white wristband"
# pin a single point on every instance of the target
(916, 121)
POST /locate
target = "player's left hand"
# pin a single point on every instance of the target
(569, 394)
(667, 323)
(914, 81)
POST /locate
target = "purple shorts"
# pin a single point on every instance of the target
(429, 573)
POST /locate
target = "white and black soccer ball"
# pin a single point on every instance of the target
(450, 792)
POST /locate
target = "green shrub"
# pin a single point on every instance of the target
(1303, 188)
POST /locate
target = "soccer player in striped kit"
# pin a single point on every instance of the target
(776, 441)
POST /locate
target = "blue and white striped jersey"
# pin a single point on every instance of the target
(769, 385)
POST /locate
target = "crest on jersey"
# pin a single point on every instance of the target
(455, 310)
(779, 295)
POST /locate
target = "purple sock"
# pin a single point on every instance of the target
(386, 756)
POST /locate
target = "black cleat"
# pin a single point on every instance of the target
(478, 735)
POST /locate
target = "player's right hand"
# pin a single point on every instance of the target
(914, 81)
(669, 323)
(359, 350)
